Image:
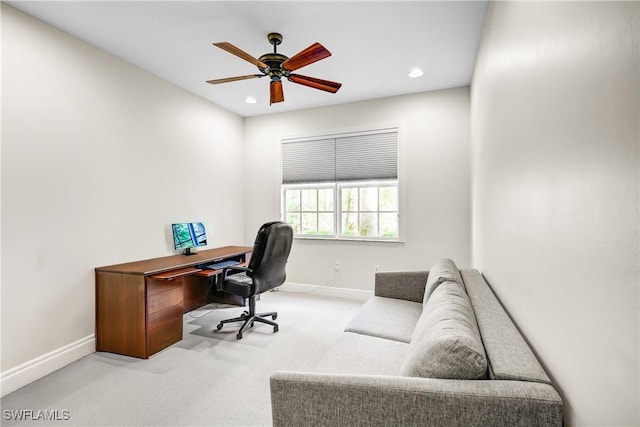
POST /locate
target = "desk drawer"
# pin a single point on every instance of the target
(164, 300)
(155, 286)
(164, 328)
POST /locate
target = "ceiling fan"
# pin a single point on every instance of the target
(276, 66)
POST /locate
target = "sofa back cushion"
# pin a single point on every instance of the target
(444, 270)
(446, 342)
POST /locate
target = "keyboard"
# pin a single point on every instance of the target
(220, 265)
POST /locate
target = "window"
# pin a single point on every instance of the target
(369, 210)
(310, 211)
(342, 187)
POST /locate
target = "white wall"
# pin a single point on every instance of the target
(435, 177)
(98, 159)
(555, 147)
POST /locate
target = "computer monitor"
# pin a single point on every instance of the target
(187, 235)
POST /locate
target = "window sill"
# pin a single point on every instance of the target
(346, 239)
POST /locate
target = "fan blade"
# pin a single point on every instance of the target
(240, 54)
(277, 94)
(315, 83)
(233, 79)
(313, 53)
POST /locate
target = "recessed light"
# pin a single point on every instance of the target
(416, 72)
(250, 100)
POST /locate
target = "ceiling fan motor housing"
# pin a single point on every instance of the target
(274, 62)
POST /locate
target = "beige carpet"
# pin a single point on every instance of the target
(209, 378)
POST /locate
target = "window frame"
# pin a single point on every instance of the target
(338, 184)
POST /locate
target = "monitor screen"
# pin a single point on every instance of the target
(188, 235)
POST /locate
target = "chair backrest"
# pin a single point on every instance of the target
(269, 257)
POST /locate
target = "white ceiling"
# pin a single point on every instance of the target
(374, 44)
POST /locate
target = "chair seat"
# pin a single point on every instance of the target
(238, 284)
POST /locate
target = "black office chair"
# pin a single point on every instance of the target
(266, 270)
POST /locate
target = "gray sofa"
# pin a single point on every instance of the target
(430, 348)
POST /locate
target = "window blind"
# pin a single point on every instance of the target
(345, 158)
(308, 161)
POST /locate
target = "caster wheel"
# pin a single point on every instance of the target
(251, 325)
(245, 313)
(275, 329)
(239, 336)
(274, 317)
(219, 326)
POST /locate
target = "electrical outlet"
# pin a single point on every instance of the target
(336, 266)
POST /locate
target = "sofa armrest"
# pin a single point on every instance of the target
(318, 399)
(407, 285)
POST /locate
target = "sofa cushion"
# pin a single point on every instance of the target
(509, 356)
(446, 342)
(389, 318)
(444, 270)
(363, 355)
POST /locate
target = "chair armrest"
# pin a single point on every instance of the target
(226, 270)
(356, 400)
(406, 285)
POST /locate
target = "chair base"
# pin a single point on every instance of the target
(249, 318)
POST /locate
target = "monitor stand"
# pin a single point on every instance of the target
(187, 251)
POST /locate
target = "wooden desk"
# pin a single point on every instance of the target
(139, 305)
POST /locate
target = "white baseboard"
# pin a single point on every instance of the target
(39, 367)
(357, 294)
